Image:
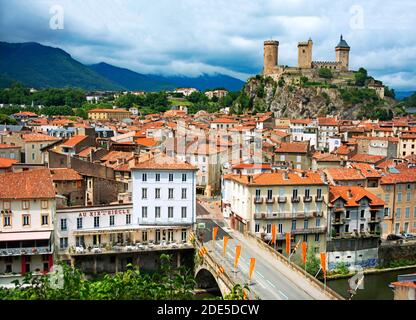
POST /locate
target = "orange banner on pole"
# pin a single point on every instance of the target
(288, 242)
(323, 262)
(226, 238)
(304, 251)
(252, 265)
(273, 233)
(237, 255)
(214, 233)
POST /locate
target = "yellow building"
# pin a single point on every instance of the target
(295, 201)
(407, 144)
(108, 114)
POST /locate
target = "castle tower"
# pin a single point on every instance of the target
(271, 48)
(305, 54)
(342, 54)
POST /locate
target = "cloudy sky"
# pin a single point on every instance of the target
(193, 36)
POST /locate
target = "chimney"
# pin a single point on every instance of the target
(286, 175)
(349, 193)
(250, 179)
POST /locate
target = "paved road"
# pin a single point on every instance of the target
(272, 280)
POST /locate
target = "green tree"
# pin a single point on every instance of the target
(325, 73)
(360, 77)
(312, 262)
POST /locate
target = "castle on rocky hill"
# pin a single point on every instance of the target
(305, 62)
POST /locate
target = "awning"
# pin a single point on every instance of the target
(22, 236)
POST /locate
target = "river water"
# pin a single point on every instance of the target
(376, 286)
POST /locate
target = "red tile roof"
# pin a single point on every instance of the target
(327, 122)
(163, 162)
(147, 142)
(72, 142)
(320, 156)
(278, 178)
(65, 174)
(367, 158)
(366, 170)
(6, 163)
(404, 176)
(27, 185)
(341, 173)
(8, 146)
(38, 137)
(293, 147)
(352, 196)
(252, 166)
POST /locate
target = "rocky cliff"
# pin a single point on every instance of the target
(309, 101)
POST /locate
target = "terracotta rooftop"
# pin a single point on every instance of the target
(223, 120)
(352, 195)
(30, 184)
(366, 170)
(108, 111)
(8, 146)
(72, 142)
(326, 157)
(293, 147)
(147, 142)
(6, 163)
(163, 162)
(65, 174)
(252, 166)
(278, 178)
(327, 122)
(367, 158)
(404, 176)
(341, 173)
(38, 137)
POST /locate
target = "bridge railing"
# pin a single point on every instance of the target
(229, 281)
(329, 292)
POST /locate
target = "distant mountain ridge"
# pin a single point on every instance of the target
(40, 66)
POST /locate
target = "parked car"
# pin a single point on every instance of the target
(392, 237)
(408, 236)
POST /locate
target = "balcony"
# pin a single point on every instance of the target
(339, 209)
(281, 199)
(374, 220)
(258, 200)
(319, 199)
(284, 215)
(321, 229)
(270, 200)
(138, 247)
(307, 199)
(338, 221)
(4, 252)
(296, 199)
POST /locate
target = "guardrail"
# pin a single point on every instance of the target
(294, 267)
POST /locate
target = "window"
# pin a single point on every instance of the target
(63, 225)
(170, 235)
(144, 236)
(257, 228)
(184, 235)
(157, 236)
(398, 213)
(183, 177)
(414, 212)
(362, 213)
(79, 241)
(45, 219)
(157, 193)
(386, 212)
(144, 212)
(319, 193)
(269, 228)
(144, 177)
(305, 224)
(361, 227)
(280, 228)
(44, 204)
(6, 205)
(347, 214)
(318, 222)
(317, 237)
(25, 204)
(183, 193)
(26, 220)
(79, 223)
(258, 193)
(407, 213)
(293, 224)
(111, 220)
(7, 221)
(270, 194)
(387, 197)
(408, 195)
(170, 177)
(96, 222)
(128, 218)
(144, 193)
(183, 212)
(157, 212)
(170, 212)
(295, 193)
(170, 193)
(307, 193)
(158, 177)
(63, 243)
(305, 238)
(399, 197)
